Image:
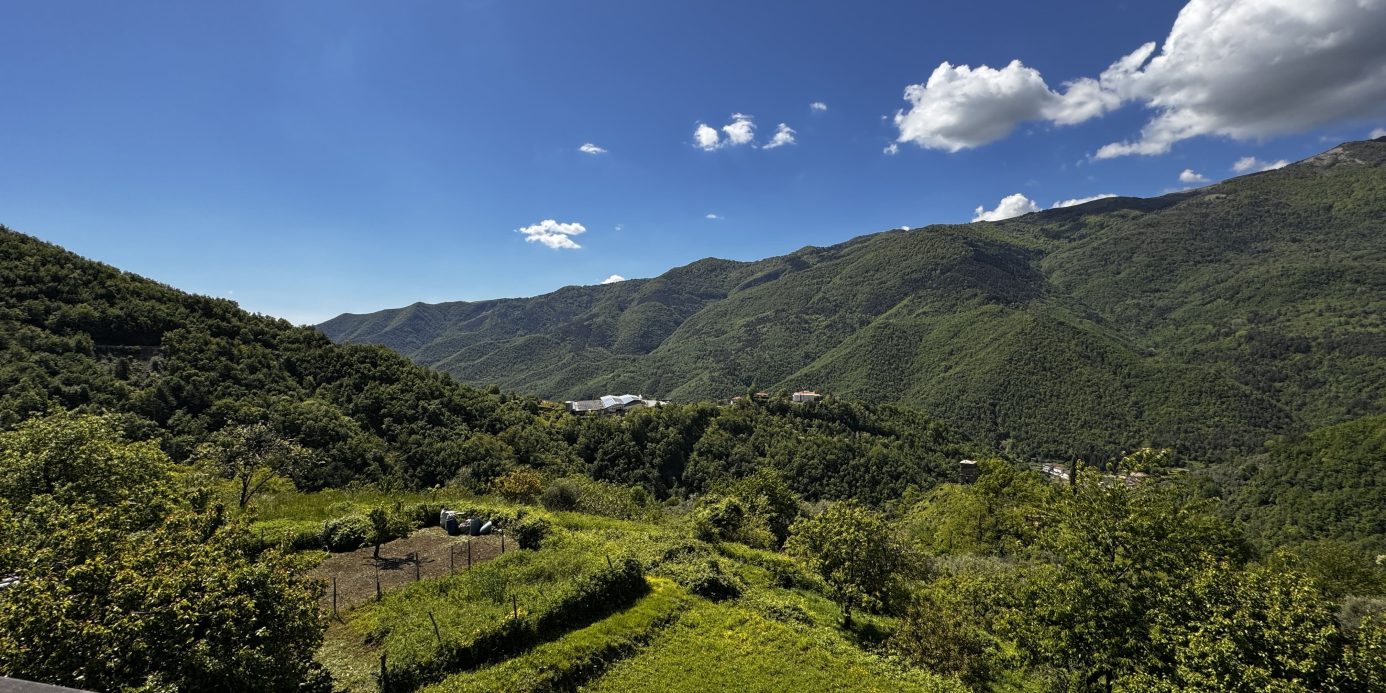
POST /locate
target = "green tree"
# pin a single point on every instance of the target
(145, 592)
(380, 529)
(853, 549)
(74, 458)
(1258, 629)
(252, 455)
(1113, 554)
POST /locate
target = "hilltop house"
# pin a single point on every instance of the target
(806, 396)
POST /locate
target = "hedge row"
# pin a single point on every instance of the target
(606, 591)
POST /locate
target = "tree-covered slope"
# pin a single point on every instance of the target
(1206, 320)
(188, 370)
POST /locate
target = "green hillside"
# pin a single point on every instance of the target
(186, 371)
(1206, 320)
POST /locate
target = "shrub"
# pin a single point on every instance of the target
(521, 484)
(425, 514)
(300, 535)
(531, 531)
(780, 609)
(562, 495)
(728, 519)
(705, 578)
(346, 533)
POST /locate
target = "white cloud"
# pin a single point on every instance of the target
(714, 217)
(961, 107)
(818, 106)
(783, 135)
(613, 279)
(1080, 200)
(619, 227)
(590, 148)
(553, 234)
(891, 149)
(1243, 69)
(1010, 206)
(1254, 165)
(1377, 133)
(1191, 177)
(705, 137)
(741, 130)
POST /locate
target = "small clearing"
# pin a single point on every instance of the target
(427, 553)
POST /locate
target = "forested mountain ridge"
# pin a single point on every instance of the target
(1207, 320)
(182, 369)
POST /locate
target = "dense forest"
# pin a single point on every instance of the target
(1205, 321)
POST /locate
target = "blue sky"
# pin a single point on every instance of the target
(312, 158)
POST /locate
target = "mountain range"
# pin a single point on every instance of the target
(1205, 320)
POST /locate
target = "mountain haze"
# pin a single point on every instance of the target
(1207, 320)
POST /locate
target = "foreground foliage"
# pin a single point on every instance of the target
(121, 585)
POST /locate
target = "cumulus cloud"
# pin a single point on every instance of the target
(1379, 132)
(714, 217)
(961, 107)
(783, 135)
(1010, 206)
(818, 106)
(1080, 200)
(1190, 177)
(1253, 165)
(590, 148)
(553, 234)
(613, 279)
(891, 149)
(741, 130)
(705, 137)
(1243, 69)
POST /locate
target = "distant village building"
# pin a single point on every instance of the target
(1056, 472)
(968, 471)
(806, 396)
(612, 404)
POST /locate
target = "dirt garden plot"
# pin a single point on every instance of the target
(427, 553)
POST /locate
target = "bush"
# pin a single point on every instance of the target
(299, 535)
(780, 609)
(705, 578)
(425, 514)
(562, 495)
(531, 531)
(521, 485)
(346, 533)
(727, 519)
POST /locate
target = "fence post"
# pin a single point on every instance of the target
(436, 634)
(384, 686)
(608, 562)
(515, 606)
(502, 533)
(377, 582)
(469, 554)
(334, 597)
(452, 563)
(418, 563)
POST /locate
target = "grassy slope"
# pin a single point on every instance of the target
(1207, 320)
(768, 636)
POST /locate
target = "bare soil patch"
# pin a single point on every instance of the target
(427, 553)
